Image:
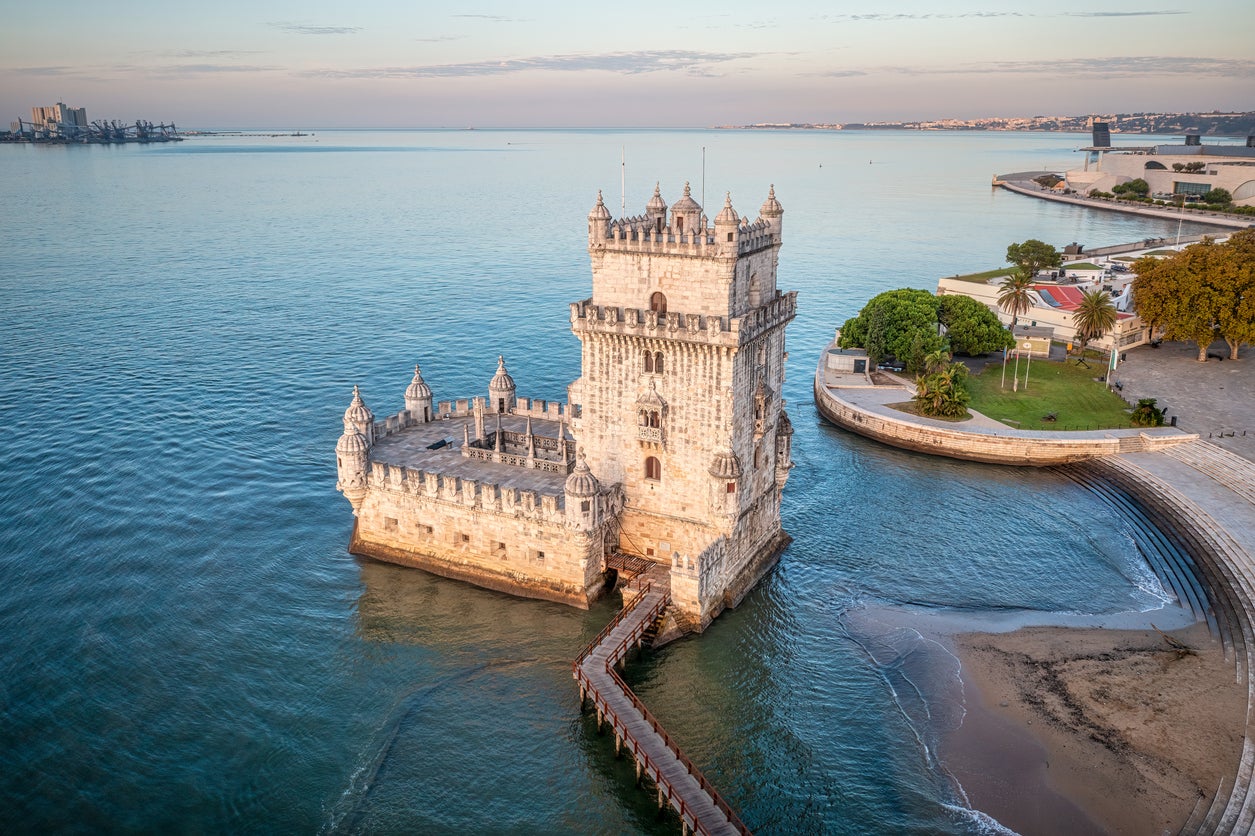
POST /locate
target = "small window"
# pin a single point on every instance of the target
(660, 223)
(732, 487)
(585, 505)
(658, 303)
(425, 529)
(501, 405)
(540, 555)
(658, 363)
(389, 524)
(653, 468)
(729, 237)
(679, 223)
(649, 552)
(649, 361)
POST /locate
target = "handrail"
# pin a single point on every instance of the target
(622, 732)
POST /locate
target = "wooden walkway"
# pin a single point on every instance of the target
(679, 782)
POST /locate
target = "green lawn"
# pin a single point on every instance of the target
(984, 277)
(1081, 265)
(1065, 389)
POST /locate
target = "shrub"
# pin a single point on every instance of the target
(1145, 414)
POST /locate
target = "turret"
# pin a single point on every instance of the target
(686, 214)
(501, 389)
(359, 417)
(353, 452)
(727, 226)
(784, 448)
(725, 472)
(772, 212)
(418, 398)
(598, 222)
(583, 503)
(656, 211)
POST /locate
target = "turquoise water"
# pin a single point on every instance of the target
(186, 644)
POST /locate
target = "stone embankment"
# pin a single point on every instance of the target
(678, 781)
(850, 402)
(1023, 184)
(1187, 490)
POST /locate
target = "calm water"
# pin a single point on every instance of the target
(184, 643)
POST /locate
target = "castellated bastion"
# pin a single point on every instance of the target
(671, 452)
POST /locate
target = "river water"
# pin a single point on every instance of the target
(186, 646)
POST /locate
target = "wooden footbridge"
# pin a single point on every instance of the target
(678, 781)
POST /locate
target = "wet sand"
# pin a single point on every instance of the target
(1079, 730)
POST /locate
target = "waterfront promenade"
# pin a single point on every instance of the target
(1023, 183)
(1199, 493)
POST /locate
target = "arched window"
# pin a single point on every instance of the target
(679, 223)
(660, 223)
(649, 361)
(653, 468)
(655, 420)
(658, 363)
(658, 303)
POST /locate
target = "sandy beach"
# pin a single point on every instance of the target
(1074, 731)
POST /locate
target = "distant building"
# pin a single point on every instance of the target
(1164, 168)
(59, 118)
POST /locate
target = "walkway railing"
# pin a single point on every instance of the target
(657, 755)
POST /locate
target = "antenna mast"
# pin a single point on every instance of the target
(703, 177)
(622, 181)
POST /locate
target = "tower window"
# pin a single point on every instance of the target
(679, 223)
(658, 362)
(660, 223)
(732, 487)
(653, 468)
(649, 361)
(658, 303)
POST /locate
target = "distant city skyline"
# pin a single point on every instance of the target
(383, 63)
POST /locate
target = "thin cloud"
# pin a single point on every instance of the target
(179, 70)
(47, 71)
(875, 17)
(308, 29)
(492, 18)
(1148, 13)
(622, 63)
(208, 53)
(1128, 66)
(440, 39)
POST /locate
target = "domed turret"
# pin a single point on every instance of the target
(583, 505)
(656, 211)
(501, 389)
(771, 210)
(582, 482)
(359, 417)
(727, 223)
(598, 221)
(686, 213)
(724, 465)
(352, 463)
(418, 398)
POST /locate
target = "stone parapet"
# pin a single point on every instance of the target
(638, 234)
(695, 328)
(469, 493)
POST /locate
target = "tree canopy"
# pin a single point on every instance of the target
(941, 390)
(1033, 256)
(970, 326)
(1204, 291)
(901, 323)
(904, 324)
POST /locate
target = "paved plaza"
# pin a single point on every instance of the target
(1215, 399)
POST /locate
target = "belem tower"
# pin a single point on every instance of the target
(673, 446)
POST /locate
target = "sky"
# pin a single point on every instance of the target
(412, 63)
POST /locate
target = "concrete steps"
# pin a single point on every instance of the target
(1234, 472)
(1228, 571)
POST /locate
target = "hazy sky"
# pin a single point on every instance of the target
(401, 63)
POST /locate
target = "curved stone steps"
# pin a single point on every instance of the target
(1230, 572)
(1234, 472)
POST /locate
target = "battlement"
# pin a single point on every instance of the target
(468, 493)
(640, 234)
(694, 328)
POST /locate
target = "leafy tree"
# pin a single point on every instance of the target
(970, 326)
(1174, 294)
(902, 323)
(1234, 280)
(1033, 256)
(1218, 195)
(1136, 188)
(942, 391)
(1013, 296)
(1095, 316)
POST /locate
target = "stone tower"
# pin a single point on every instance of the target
(418, 398)
(683, 350)
(353, 451)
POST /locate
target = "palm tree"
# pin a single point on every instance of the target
(1094, 317)
(1013, 297)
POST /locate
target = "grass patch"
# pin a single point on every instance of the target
(983, 278)
(1128, 258)
(1066, 390)
(1081, 265)
(1162, 252)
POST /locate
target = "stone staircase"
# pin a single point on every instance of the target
(1227, 569)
